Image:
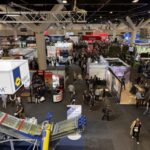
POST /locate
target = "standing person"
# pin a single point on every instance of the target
(73, 99)
(74, 76)
(123, 82)
(87, 79)
(135, 129)
(4, 100)
(106, 112)
(92, 100)
(84, 96)
(20, 111)
(37, 95)
(147, 110)
(18, 100)
(12, 98)
(104, 94)
(71, 89)
(139, 98)
(97, 94)
(91, 83)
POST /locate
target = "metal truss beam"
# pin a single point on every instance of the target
(43, 17)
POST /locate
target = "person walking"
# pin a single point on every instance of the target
(106, 112)
(135, 129)
(147, 109)
(4, 100)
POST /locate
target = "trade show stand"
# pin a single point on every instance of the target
(113, 70)
(28, 53)
(49, 80)
(142, 49)
(59, 53)
(16, 75)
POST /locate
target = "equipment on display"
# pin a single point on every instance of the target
(42, 134)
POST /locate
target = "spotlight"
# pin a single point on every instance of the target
(64, 1)
(135, 1)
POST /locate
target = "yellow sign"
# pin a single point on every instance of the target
(17, 81)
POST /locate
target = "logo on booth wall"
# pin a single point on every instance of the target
(18, 81)
(17, 78)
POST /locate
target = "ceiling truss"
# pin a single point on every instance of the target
(43, 17)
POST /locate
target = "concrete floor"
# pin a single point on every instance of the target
(99, 135)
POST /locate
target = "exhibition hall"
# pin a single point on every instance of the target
(75, 75)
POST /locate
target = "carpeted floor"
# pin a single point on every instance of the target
(99, 135)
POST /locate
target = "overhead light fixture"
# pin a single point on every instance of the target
(135, 1)
(111, 12)
(64, 1)
(100, 17)
(149, 12)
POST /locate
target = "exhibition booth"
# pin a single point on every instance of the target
(60, 51)
(95, 37)
(143, 49)
(118, 69)
(13, 74)
(23, 53)
(112, 70)
(52, 81)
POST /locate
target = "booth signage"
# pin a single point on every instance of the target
(57, 98)
(17, 78)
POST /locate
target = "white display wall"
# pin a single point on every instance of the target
(13, 74)
(98, 70)
(51, 51)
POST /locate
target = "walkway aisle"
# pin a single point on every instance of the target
(99, 135)
(114, 134)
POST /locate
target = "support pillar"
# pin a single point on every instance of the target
(41, 52)
(15, 34)
(133, 36)
(114, 34)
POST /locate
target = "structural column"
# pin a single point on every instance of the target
(114, 34)
(133, 36)
(15, 34)
(40, 42)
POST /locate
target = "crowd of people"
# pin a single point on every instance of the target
(16, 101)
(95, 89)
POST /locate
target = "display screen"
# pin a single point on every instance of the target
(56, 38)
